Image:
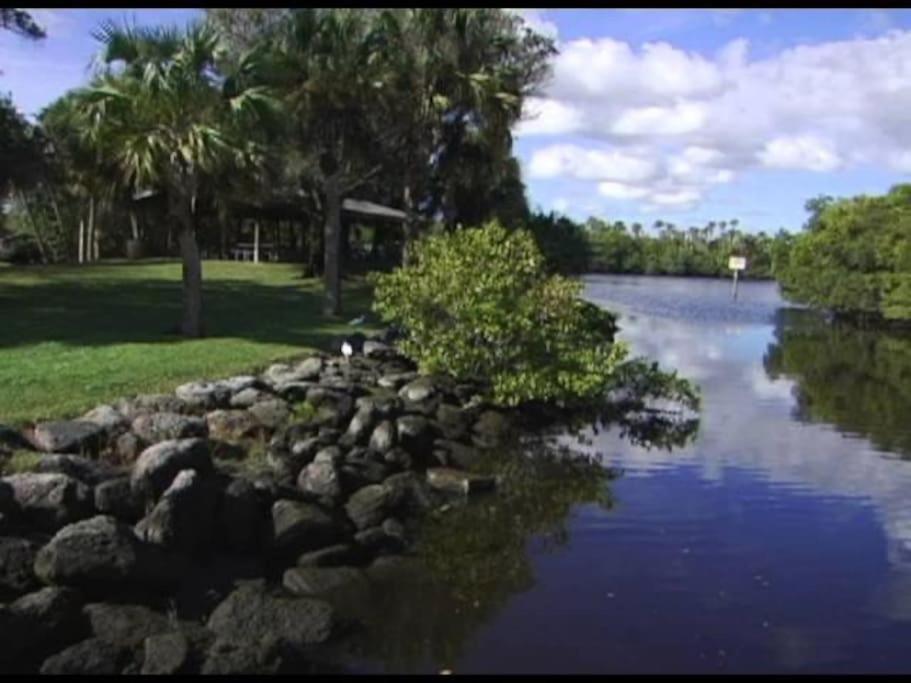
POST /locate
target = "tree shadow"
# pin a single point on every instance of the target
(122, 308)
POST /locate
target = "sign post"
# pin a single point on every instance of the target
(736, 263)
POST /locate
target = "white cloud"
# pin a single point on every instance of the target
(586, 164)
(621, 190)
(803, 152)
(697, 121)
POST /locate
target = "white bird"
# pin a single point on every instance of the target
(347, 349)
(360, 320)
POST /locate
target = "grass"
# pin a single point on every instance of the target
(72, 337)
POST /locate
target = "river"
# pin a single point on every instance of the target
(778, 540)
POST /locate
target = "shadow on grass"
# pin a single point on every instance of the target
(123, 307)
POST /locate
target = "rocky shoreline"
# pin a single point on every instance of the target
(206, 531)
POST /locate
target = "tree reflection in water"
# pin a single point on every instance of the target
(473, 557)
(858, 380)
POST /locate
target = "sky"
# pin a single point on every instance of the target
(679, 115)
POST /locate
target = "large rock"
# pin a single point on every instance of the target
(337, 405)
(371, 504)
(86, 470)
(184, 517)
(125, 625)
(68, 436)
(152, 403)
(361, 426)
(101, 551)
(383, 437)
(299, 527)
(251, 615)
(457, 453)
(39, 623)
(270, 414)
(307, 370)
(453, 421)
(321, 479)
(419, 390)
(159, 464)
(50, 501)
(242, 517)
(156, 427)
(210, 395)
(11, 440)
(128, 447)
(247, 397)
(457, 481)
(111, 420)
(314, 581)
(17, 556)
(415, 435)
(333, 556)
(92, 657)
(232, 425)
(175, 652)
(116, 497)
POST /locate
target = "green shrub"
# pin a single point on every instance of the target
(479, 304)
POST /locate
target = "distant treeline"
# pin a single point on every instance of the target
(598, 246)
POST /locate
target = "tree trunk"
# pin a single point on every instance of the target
(134, 223)
(35, 230)
(332, 236)
(90, 237)
(81, 253)
(409, 224)
(191, 323)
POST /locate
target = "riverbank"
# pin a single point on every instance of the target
(206, 530)
(75, 336)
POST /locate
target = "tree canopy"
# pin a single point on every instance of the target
(854, 258)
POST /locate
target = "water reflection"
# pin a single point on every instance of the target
(777, 538)
(859, 380)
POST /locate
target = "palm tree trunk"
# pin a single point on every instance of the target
(332, 251)
(81, 252)
(191, 323)
(90, 237)
(35, 229)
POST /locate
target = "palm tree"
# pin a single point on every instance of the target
(326, 64)
(170, 120)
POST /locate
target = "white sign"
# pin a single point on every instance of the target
(737, 263)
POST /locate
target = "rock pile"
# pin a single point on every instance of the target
(206, 531)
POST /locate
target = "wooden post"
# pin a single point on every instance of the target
(256, 242)
(734, 292)
(736, 263)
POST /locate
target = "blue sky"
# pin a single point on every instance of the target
(680, 115)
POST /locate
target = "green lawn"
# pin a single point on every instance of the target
(75, 336)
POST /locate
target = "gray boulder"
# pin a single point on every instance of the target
(152, 403)
(371, 504)
(333, 556)
(247, 397)
(128, 446)
(453, 421)
(157, 427)
(270, 414)
(17, 555)
(242, 517)
(11, 440)
(184, 517)
(415, 434)
(314, 581)
(50, 500)
(111, 420)
(458, 481)
(232, 425)
(86, 470)
(101, 551)
(68, 436)
(419, 390)
(299, 527)
(92, 657)
(39, 622)
(383, 437)
(116, 497)
(159, 464)
(321, 479)
(209, 395)
(124, 625)
(251, 615)
(361, 426)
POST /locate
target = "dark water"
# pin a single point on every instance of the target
(777, 540)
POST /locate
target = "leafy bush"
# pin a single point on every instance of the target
(479, 304)
(854, 258)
